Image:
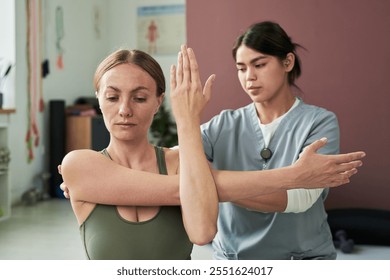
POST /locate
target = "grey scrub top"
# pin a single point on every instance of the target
(232, 141)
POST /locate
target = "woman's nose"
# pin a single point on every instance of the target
(250, 74)
(125, 111)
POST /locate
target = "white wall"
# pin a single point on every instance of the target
(7, 50)
(83, 50)
(81, 54)
(123, 30)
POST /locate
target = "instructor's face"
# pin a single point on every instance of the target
(263, 77)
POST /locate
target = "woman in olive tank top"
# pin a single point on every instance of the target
(106, 235)
(130, 87)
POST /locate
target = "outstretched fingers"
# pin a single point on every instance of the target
(350, 157)
(194, 68)
(179, 69)
(173, 77)
(186, 65)
(344, 167)
(207, 87)
(337, 183)
(349, 173)
(343, 172)
(188, 95)
(340, 173)
(195, 76)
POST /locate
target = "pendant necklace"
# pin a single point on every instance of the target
(266, 154)
(268, 131)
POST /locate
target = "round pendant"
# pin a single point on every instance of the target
(266, 153)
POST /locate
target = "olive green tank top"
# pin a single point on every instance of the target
(108, 236)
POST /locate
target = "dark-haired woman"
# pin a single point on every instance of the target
(271, 132)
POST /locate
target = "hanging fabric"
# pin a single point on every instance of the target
(59, 35)
(97, 22)
(39, 53)
(44, 24)
(32, 77)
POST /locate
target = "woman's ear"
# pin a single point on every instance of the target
(160, 100)
(289, 62)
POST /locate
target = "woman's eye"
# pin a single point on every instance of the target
(240, 69)
(139, 99)
(112, 98)
(260, 65)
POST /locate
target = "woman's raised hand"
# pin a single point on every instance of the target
(188, 97)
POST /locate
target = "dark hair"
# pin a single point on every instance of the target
(137, 57)
(269, 38)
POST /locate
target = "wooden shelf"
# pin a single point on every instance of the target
(7, 111)
(86, 132)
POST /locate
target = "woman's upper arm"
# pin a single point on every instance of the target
(92, 177)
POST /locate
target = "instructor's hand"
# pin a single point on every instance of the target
(317, 170)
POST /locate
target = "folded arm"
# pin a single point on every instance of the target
(91, 177)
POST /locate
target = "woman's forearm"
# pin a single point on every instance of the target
(312, 170)
(198, 195)
(274, 202)
(237, 185)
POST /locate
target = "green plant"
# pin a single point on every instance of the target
(163, 129)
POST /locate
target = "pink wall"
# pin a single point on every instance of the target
(345, 69)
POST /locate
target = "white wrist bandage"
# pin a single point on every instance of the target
(299, 200)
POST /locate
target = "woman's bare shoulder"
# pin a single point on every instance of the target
(82, 156)
(82, 152)
(172, 160)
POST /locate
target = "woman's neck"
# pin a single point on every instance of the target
(140, 155)
(270, 110)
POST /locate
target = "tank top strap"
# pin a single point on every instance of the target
(105, 153)
(162, 167)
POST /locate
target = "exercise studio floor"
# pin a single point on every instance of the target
(48, 231)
